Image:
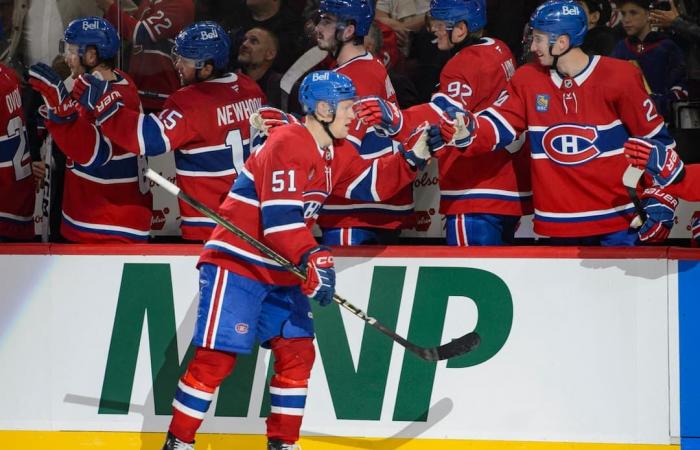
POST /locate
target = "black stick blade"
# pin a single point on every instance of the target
(457, 347)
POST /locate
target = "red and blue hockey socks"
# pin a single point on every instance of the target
(195, 390)
(288, 387)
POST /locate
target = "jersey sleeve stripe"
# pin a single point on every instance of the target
(243, 199)
(505, 130)
(280, 228)
(282, 202)
(152, 138)
(357, 181)
(277, 215)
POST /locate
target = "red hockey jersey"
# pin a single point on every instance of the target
(207, 124)
(16, 185)
(278, 195)
(150, 32)
(496, 183)
(577, 128)
(689, 188)
(102, 193)
(369, 76)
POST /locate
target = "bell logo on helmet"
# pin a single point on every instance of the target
(95, 25)
(569, 10)
(320, 76)
(205, 35)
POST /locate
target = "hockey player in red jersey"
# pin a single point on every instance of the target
(483, 197)
(205, 122)
(105, 198)
(579, 111)
(16, 185)
(342, 26)
(150, 32)
(245, 297)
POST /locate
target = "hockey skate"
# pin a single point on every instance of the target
(173, 443)
(274, 444)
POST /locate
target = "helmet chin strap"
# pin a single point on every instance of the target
(555, 61)
(327, 125)
(339, 42)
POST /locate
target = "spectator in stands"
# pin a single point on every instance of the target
(256, 56)
(404, 17)
(273, 15)
(684, 26)
(406, 92)
(600, 39)
(150, 33)
(660, 59)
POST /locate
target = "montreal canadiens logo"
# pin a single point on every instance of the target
(570, 144)
(241, 328)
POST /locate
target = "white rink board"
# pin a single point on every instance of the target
(587, 358)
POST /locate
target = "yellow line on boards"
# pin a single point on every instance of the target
(78, 440)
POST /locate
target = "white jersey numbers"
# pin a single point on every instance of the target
(283, 181)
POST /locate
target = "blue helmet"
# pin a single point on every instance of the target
(325, 86)
(472, 12)
(93, 31)
(559, 17)
(359, 11)
(202, 42)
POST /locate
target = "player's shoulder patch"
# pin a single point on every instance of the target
(542, 103)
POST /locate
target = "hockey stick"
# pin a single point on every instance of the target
(457, 347)
(630, 179)
(46, 191)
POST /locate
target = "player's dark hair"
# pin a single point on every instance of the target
(644, 4)
(110, 63)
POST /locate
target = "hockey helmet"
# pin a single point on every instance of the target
(561, 17)
(472, 12)
(325, 86)
(360, 12)
(202, 42)
(94, 31)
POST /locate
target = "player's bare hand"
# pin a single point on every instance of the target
(39, 172)
(663, 19)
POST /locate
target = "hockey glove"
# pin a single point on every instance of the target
(267, 118)
(320, 275)
(415, 148)
(659, 161)
(97, 96)
(376, 112)
(60, 107)
(661, 209)
(695, 230)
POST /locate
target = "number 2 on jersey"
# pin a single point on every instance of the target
(15, 129)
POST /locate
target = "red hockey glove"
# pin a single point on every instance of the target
(379, 113)
(45, 80)
(267, 118)
(320, 275)
(97, 96)
(659, 161)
